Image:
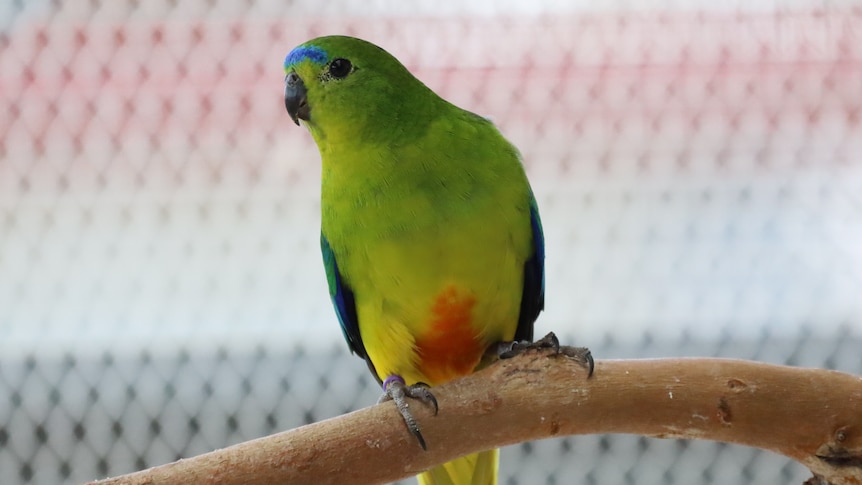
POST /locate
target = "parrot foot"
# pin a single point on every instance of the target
(507, 350)
(395, 389)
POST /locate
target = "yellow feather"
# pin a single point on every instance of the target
(478, 469)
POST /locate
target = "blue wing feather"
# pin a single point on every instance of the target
(533, 296)
(342, 300)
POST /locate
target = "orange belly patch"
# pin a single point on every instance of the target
(450, 347)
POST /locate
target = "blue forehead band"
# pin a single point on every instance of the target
(311, 52)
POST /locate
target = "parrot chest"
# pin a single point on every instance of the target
(433, 286)
(431, 237)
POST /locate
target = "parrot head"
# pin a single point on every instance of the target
(342, 88)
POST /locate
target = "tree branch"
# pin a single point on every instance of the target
(810, 415)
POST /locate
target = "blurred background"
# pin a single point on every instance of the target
(698, 167)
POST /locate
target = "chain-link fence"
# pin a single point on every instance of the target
(699, 173)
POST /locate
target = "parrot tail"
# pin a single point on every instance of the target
(478, 469)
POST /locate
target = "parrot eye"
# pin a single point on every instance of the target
(340, 68)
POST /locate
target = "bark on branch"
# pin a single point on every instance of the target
(810, 415)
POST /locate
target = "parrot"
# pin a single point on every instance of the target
(430, 234)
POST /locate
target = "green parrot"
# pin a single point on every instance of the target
(430, 233)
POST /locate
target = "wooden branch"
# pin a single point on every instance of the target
(810, 415)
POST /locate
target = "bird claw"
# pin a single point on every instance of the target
(507, 350)
(394, 389)
(583, 356)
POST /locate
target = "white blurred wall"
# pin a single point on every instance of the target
(698, 169)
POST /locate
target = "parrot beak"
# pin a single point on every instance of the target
(295, 99)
